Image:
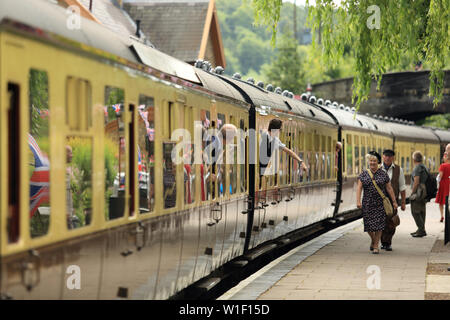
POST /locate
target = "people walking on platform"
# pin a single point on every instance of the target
(397, 178)
(418, 194)
(374, 215)
(444, 182)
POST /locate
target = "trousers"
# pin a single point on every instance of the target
(388, 232)
(418, 210)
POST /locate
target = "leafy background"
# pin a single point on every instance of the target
(293, 61)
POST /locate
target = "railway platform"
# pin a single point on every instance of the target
(339, 266)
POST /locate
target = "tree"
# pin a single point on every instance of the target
(284, 70)
(437, 120)
(380, 34)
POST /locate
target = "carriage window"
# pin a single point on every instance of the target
(363, 158)
(323, 166)
(188, 158)
(220, 155)
(78, 181)
(349, 155)
(408, 169)
(308, 164)
(115, 156)
(146, 154)
(205, 167)
(243, 156)
(13, 173)
(316, 162)
(231, 148)
(403, 163)
(39, 153)
(329, 167)
(356, 155)
(169, 176)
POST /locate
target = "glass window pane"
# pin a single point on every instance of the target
(78, 181)
(115, 157)
(189, 174)
(232, 156)
(146, 154)
(169, 176)
(220, 155)
(243, 157)
(39, 153)
(323, 166)
(205, 167)
(349, 151)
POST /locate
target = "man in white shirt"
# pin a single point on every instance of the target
(397, 177)
(269, 146)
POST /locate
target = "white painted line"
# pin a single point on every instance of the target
(342, 230)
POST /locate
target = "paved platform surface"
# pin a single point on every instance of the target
(338, 265)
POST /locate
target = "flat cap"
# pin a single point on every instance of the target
(389, 152)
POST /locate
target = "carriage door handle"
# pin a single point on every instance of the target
(31, 270)
(217, 212)
(140, 236)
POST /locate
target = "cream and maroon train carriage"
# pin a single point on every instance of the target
(88, 124)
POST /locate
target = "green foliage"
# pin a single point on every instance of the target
(416, 30)
(81, 176)
(38, 97)
(285, 70)
(436, 120)
(248, 48)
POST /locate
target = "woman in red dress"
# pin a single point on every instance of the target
(444, 181)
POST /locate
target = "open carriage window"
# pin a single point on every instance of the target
(78, 181)
(115, 155)
(205, 166)
(146, 153)
(243, 156)
(169, 176)
(188, 157)
(39, 153)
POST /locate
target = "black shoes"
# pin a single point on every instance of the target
(386, 247)
(418, 234)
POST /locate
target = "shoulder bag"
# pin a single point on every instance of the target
(386, 203)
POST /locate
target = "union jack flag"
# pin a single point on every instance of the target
(116, 108)
(39, 181)
(139, 159)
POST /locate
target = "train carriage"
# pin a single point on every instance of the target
(91, 129)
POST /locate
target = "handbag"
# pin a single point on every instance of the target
(395, 220)
(386, 203)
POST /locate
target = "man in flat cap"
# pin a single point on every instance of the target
(397, 177)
